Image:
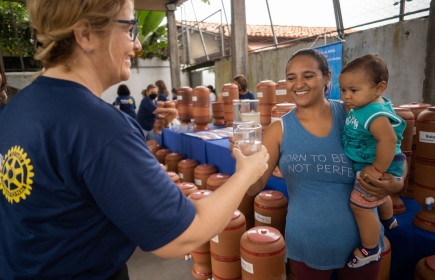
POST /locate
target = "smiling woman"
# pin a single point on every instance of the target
(79, 189)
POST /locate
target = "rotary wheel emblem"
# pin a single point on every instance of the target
(16, 175)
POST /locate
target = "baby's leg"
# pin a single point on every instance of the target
(368, 226)
(386, 214)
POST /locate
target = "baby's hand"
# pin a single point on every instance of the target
(370, 171)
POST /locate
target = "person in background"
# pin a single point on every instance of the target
(212, 95)
(148, 110)
(174, 94)
(242, 83)
(79, 188)
(162, 91)
(321, 231)
(6, 92)
(371, 138)
(125, 102)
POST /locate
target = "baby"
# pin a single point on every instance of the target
(371, 139)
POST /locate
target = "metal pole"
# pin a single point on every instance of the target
(402, 10)
(200, 32)
(16, 35)
(226, 20)
(338, 18)
(271, 25)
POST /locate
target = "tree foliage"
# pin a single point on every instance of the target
(8, 40)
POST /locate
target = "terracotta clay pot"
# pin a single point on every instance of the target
(201, 174)
(280, 110)
(216, 180)
(416, 108)
(271, 210)
(187, 188)
(281, 93)
(425, 132)
(174, 176)
(262, 251)
(425, 269)
(267, 97)
(184, 100)
(201, 271)
(186, 168)
(161, 155)
(201, 254)
(172, 160)
(247, 208)
(217, 109)
(184, 95)
(163, 167)
(424, 193)
(225, 249)
(229, 93)
(201, 107)
(408, 117)
(384, 270)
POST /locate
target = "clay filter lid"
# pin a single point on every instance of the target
(271, 195)
(263, 235)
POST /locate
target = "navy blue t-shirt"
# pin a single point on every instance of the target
(162, 97)
(79, 189)
(145, 116)
(248, 95)
(127, 105)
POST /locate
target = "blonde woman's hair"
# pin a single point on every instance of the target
(53, 23)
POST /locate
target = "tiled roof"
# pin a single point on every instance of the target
(281, 31)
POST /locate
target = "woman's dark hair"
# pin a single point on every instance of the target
(371, 64)
(318, 56)
(241, 80)
(123, 90)
(162, 87)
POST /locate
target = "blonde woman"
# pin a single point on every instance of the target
(79, 189)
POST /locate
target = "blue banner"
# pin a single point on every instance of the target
(333, 53)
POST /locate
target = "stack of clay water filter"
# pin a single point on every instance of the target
(279, 110)
(173, 176)
(271, 210)
(201, 107)
(201, 269)
(201, 174)
(406, 147)
(217, 109)
(416, 108)
(172, 160)
(184, 100)
(267, 96)
(225, 249)
(424, 183)
(229, 93)
(425, 268)
(158, 124)
(262, 251)
(154, 146)
(186, 168)
(281, 93)
(161, 155)
(170, 117)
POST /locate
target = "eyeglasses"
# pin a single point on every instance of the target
(134, 30)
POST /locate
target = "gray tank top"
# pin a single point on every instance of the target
(320, 228)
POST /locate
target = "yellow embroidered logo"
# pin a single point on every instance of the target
(16, 175)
